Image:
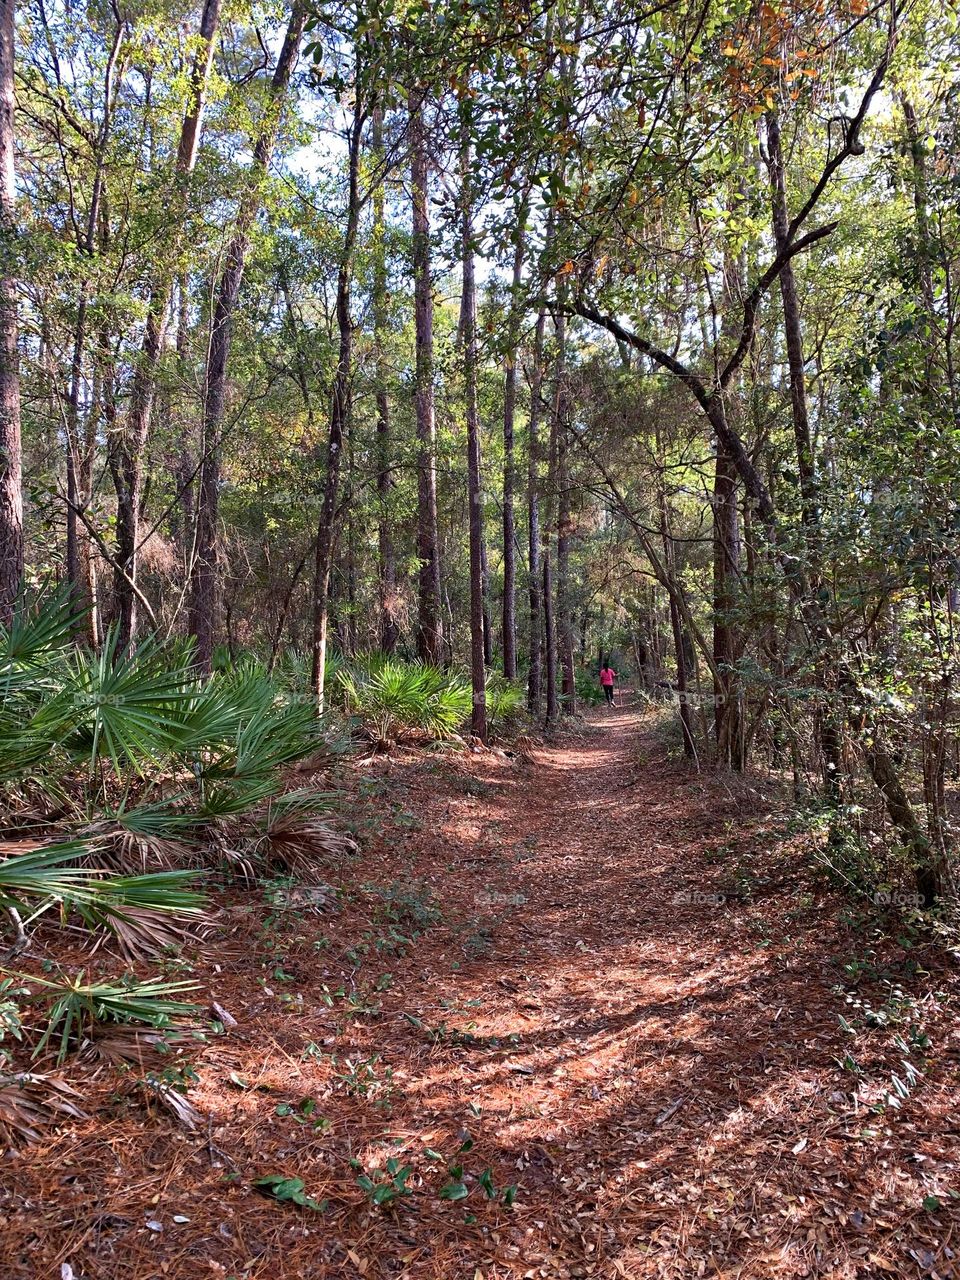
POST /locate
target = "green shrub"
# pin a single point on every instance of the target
(588, 689)
(506, 703)
(131, 763)
(396, 700)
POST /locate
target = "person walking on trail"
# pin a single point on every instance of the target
(607, 680)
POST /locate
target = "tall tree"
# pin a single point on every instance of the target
(478, 675)
(340, 400)
(389, 631)
(509, 623)
(204, 568)
(11, 495)
(127, 444)
(429, 619)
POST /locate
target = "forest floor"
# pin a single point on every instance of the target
(600, 1005)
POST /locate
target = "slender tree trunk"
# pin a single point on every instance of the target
(78, 551)
(185, 462)
(549, 637)
(828, 727)
(509, 461)
(548, 527)
(729, 728)
(129, 444)
(564, 530)
(728, 721)
(204, 569)
(388, 629)
(478, 674)
(676, 625)
(11, 490)
(339, 414)
(534, 565)
(791, 315)
(429, 622)
(485, 588)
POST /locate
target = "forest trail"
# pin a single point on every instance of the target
(628, 1012)
(668, 1100)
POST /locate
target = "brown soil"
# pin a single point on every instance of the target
(629, 1011)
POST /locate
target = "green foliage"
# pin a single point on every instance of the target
(78, 1007)
(397, 700)
(506, 703)
(383, 1188)
(276, 1186)
(587, 684)
(152, 772)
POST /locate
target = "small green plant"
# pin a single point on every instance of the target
(288, 1190)
(410, 905)
(361, 1077)
(78, 1006)
(384, 1188)
(456, 1187)
(304, 1112)
(10, 1025)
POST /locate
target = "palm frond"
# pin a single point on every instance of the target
(78, 1006)
(30, 1103)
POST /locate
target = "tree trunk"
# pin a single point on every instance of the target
(564, 527)
(130, 443)
(535, 588)
(429, 622)
(680, 641)
(478, 674)
(387, 567)
(204, 569)
(11, 491)
(728, 719)
(339, 415)
(509, 461)
(828, 730)
(548, 526)
(549, 636)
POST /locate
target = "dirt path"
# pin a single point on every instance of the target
(626, 1023)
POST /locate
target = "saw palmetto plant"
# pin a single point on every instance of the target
(125, 781)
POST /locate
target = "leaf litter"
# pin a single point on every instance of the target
(594, 1027)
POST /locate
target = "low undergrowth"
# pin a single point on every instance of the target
(129, 786)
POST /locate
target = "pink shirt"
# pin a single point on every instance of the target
(607, 676)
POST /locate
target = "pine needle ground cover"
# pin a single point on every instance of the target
(580, 1012)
